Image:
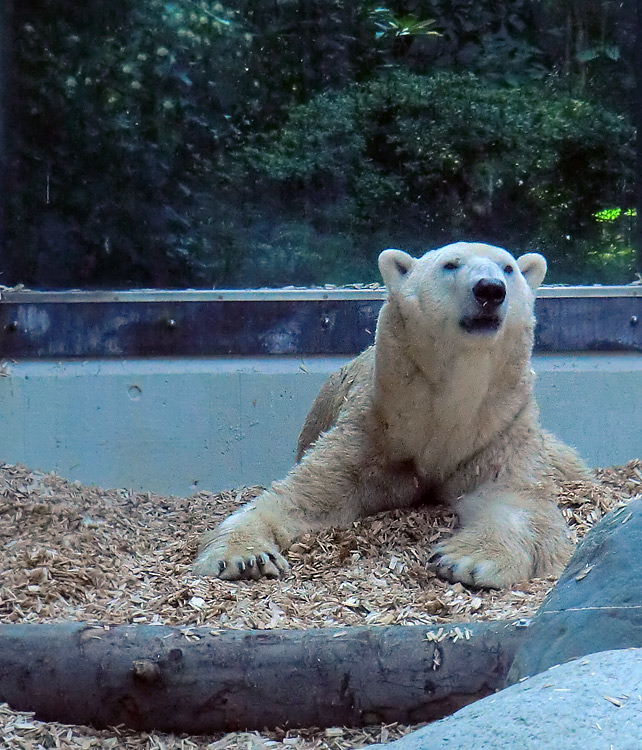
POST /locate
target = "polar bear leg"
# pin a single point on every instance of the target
(314, 495)
(334, 484)
(505, 537)
(248, 544)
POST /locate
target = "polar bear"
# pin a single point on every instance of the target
(441, 408)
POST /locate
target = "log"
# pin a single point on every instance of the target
(200, 680)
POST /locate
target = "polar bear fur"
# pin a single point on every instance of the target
(440, 408)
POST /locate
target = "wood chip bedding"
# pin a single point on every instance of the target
(71, 552)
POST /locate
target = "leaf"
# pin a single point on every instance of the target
(587, 55)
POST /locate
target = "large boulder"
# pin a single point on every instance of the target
(588, 704)
(597, 602)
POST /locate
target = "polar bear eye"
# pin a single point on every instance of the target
(508, 269)
(451, 265)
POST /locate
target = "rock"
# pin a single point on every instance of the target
(591, 703)
(597, 602)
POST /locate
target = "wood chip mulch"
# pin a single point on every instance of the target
(70, 552)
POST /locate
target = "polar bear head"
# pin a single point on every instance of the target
(465, 290)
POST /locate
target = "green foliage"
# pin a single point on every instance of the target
(197, 142)
(498, 41)
(613, 214)
(591, 45)
(299, 48)
(124, 118)
(117, 131)
(587, 45)
(447, 155)
(395, 27)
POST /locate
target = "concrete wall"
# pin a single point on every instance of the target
(176, 426)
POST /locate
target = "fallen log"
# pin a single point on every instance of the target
(201, 680)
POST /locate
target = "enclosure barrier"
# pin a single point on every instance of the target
(177, 391)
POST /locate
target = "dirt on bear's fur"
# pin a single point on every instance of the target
(441, 407)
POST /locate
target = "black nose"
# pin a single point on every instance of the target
(490, 292)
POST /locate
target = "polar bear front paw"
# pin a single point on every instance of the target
(239, 549)
(457, 559)
(233, 562)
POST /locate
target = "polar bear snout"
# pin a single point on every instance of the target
(489, 293)
(486, 308)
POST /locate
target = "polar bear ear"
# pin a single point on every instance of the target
(533, 266)
(394, 265)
